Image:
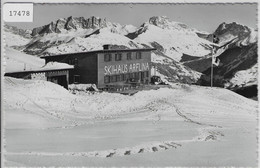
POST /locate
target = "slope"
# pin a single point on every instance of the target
(189, 102)
(15, 37)
(18, 61)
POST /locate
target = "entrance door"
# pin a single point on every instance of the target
(60, 80)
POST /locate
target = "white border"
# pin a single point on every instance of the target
(121, 1)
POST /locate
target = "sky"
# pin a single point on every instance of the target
(205, 17)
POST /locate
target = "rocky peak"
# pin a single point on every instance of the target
(234, 29)
(94, 22)
(159, 20)
(164, 23)
(65, 24)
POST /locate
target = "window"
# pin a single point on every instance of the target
(118, 57)
(118, 78)
(76, 61)
(122, 77)
(138, 55)
(76, 78)
(136, 75)
(146, 74)
(71, 62)
(126, 76)
(142, 75)
(129, 56)
(107, 79)
(132, 75)
(113, 78)
(107, 57)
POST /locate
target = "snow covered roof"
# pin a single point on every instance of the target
(104, 51)
(56, 66)
(50, 66)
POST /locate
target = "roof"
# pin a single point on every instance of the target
(104, 51)
(50, 66)
(56, 66)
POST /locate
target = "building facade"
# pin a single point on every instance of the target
(108, 67)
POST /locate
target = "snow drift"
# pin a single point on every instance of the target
(190, 103)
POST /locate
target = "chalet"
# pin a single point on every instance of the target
(107, 67)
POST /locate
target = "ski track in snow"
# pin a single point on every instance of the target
(205, 134)
(144, 148)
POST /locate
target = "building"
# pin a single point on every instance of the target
(53, 71)
(108, 67)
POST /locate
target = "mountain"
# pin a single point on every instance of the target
(175, 38)
(238, 60)
(245, 35)
(14, 36)
(70, 23)
(183, 53)
(78, 34)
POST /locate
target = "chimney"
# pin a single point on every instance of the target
(107, 47)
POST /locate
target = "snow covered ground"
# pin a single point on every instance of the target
(18, 61)
(46, 125)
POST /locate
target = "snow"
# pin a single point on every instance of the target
(175, 38)
(18, 61)
(83, 87)
(119, 29)
(46, 125)
(11, 39)
(174, 41)
(175, 125)
(156, 58)
(252, 38)
(244, 78)
(94, 42)
(56, 65)
(253, 35)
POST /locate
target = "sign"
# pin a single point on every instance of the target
(18, 12)
(126, 68)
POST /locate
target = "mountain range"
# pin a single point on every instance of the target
(183, 53)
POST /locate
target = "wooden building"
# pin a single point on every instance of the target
(107, 67)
